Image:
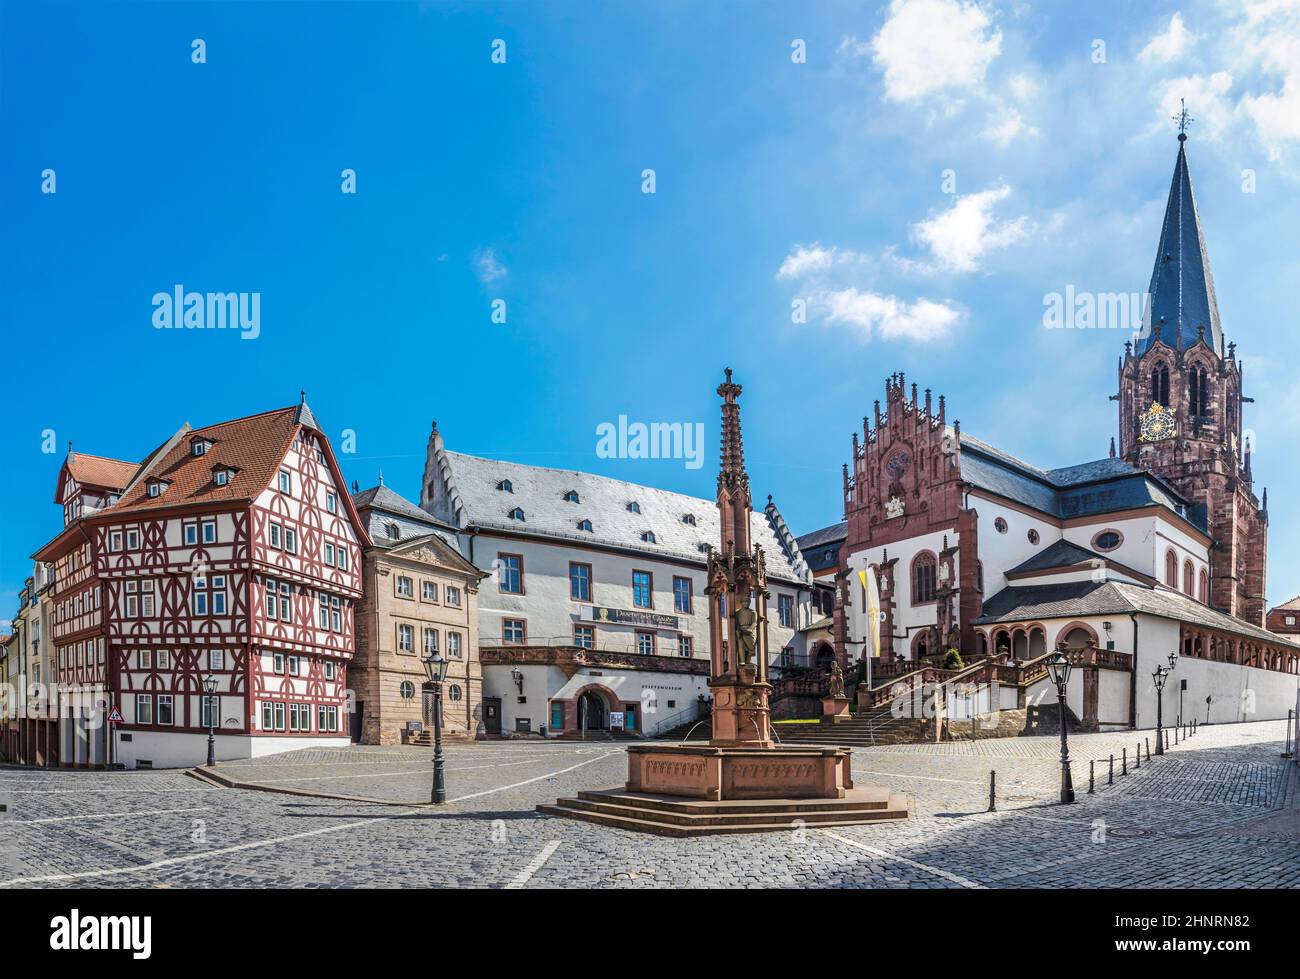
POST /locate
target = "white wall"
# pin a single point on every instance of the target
(907, 618)
(551, 614)
(173, 750)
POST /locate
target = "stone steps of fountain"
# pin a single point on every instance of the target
(670, 816)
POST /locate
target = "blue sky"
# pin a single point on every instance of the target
(774, 180)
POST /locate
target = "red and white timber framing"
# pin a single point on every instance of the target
(257, 592)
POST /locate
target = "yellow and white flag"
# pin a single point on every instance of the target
(873, 611)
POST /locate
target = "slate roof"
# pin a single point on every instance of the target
(472, 485)
(821, 548)
(91, 470)
(1059, 554)
(1075, 599)
(381, 509)
(1091, 488)
(1182, 287)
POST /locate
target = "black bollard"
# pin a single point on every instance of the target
(1110, 777)
(1123, 770)
(993, 791)
(1092, 775)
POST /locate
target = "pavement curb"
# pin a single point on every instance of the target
(215, 778)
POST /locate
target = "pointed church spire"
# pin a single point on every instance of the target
(1112, 446)
(1181, 295)
(733, 482)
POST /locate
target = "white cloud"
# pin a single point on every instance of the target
(812, 258)
(1270, 38)
(489, 268)
(931, 46)
(965, 232)
(1005, 125)
(1169, 44)
(890, 318)
(1207, 102)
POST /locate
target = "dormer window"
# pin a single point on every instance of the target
(516, 514)
(155, 488)
(703, 548)
(634, 507)
(571, 496)
(648, 537)
(200, 447)
(221, 477)
(584, 525)
(393, 530)
(505, 487)
(689, 519)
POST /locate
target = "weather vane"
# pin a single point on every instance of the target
(1182, 119)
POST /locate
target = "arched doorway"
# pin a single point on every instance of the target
(593, 714)
(824, 655)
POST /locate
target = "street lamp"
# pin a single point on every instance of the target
(435, 668)
(1159, 676)
(209, 689)
(1058, 665)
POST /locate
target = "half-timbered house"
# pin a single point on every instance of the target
(232, 552)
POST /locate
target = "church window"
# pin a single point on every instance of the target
(1198, 390)
(1203, 588)
(1188, 574)
(923, 578)
(1107, 540)
(1000, 525)
(1160, 384)
(1171, 569)
(1033, 536)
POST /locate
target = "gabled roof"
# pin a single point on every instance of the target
(473, 500)
(1182, 301)
(380, 508)
(1092, 488)
(252, 446)
(1291, 606)
(1059, 554)
(1075, 599)
(97, 471)
(821, 548)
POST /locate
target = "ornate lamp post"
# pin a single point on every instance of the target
(435, 668)
(1058, 665)
(209, 699)
(1159, 676)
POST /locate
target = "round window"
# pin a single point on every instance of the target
(1000, 525)
(407, 689)
(1108, 540)
(453, 692)
(1033, 536)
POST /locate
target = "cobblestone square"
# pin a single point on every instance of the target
(1217, 811)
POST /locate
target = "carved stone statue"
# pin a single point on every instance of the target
(746, 634)
(835, 685)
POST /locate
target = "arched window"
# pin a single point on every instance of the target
(1188, 578)
(1160, 384)
(921, 644)
(1203, 588)
(1198, 391)
(1171, 569)
(924, 573)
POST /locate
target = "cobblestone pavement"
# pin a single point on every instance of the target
(1218, 810)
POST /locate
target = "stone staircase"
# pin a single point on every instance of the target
(864, 729)
(673, 816)
(425, 738)
(596, 736)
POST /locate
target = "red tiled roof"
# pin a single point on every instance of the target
(91, 470)
(254, 446)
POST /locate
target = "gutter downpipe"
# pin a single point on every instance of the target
(1132, 682)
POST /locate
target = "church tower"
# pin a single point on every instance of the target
(1180, 404)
